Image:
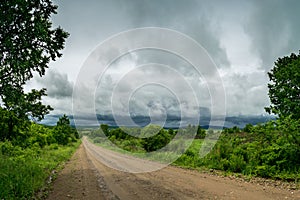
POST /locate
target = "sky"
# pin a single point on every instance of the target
(242, 38)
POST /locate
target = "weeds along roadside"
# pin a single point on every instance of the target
(26, 172)
(28, 161)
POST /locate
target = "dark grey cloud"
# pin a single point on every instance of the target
(158, 99)
(244, 38)
(192, 17)
(274, 27)
(97, 20)
(57, 84)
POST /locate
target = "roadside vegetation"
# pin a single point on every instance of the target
(27, 162)
(269, 150)
(29, 152)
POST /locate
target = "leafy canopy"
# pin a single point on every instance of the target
(27, 44)
(284, 89)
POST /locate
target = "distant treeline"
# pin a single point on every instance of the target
(149, 138)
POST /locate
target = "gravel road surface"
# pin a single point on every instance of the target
(86, 176)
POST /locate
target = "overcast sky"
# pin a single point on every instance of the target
(243, 38)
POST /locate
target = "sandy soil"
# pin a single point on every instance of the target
(87, 176)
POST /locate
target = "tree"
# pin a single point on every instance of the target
(63, 121)
(150, 130)
(201, 133)
(27, 44)
(104, 128)
(154, 137)
(284, 89)
(63, 132)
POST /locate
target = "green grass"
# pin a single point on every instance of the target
(23, 172)
(191, 159)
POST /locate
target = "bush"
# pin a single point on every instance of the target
(268, 150)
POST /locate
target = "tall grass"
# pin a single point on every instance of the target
(23, 172)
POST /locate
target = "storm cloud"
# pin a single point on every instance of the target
(243, 38)
(57, 84)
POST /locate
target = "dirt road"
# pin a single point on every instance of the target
(86, 177)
